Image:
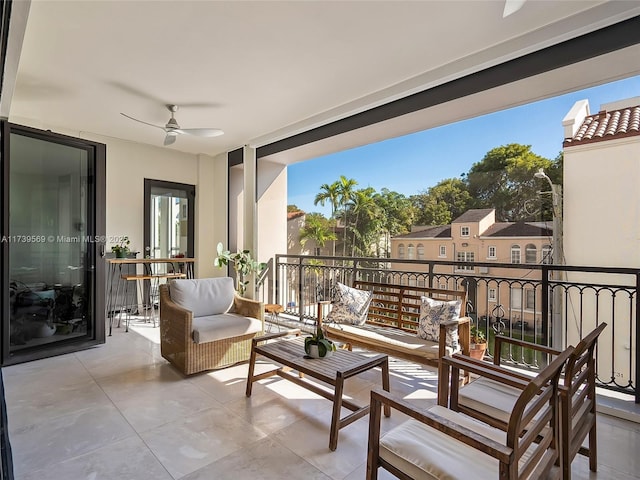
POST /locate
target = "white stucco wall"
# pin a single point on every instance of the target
(601, 202)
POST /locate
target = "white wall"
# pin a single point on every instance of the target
(601, 203)
(129, 163)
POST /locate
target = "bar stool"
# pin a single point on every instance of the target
(273, 310)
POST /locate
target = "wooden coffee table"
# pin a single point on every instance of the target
(334, 370)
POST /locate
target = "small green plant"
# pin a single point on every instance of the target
(477, 335)
(243, 264)
(121, 249)
(324, 344)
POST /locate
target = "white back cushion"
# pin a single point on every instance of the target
(203, 296)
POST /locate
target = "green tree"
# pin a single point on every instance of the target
(331, 194)
(345, 194)
(442, 203)
(366, 225)
(504, 180)
(317, 228)
(292, 208)
(396, 215)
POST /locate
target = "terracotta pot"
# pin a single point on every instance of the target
(477, 350)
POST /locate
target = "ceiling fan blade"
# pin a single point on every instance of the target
(169, 139)
(512, 6)
(142, 121)
(201, 132)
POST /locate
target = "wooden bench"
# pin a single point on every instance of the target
(392, 323)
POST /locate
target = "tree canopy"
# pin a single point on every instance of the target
(503, 179)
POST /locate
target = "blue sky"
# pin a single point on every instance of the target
(413, 163)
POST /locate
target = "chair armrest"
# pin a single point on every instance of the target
(488, 370)
(248, 308)
(464, 335)
(500, 339)
(176, 322)
(449, 373)
(463, 434)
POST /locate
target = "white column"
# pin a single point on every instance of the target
(250, 219)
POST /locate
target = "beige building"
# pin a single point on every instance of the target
(601, 204)
(475, 236)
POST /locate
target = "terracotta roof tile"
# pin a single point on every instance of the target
(607, 126)
(438, 231)
(292, 215)
(473, 215)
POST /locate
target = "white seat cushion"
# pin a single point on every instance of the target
(400, 340)
(203, 296)
(490, 397)
(225, 325)
(425, 453)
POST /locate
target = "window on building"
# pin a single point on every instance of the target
(547, 257)
(421, 282)
(442, 286)
(492, 294)
(465, 257)
(401, 250)
(443, 251)
(420, 251)
(411, 251)
(317, 251)
(530, 299)
(492, 253)
(464, 231)
(515, 254)
(516, 298)
(530, 254)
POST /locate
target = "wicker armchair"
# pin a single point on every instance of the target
(177, 343)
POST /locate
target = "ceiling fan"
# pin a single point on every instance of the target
(172, 129)
(512, 6)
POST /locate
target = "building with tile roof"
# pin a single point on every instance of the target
(475, 236)
(602, 184)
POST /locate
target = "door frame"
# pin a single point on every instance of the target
(96, 229)
(191, 197)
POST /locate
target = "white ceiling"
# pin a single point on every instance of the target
(264, 70)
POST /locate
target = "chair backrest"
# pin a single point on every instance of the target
(534, 423)
(581, 366)
(203, 296)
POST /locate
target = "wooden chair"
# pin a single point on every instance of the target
(441, 443)
(491, 399)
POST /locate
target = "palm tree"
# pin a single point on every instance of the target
(316, 228)
(363, 206)
(331, 194)
(345, 195)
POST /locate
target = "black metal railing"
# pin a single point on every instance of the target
(552, 305)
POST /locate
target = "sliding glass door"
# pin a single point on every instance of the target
(52, 240)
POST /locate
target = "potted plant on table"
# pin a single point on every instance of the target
(121, 249)
(478, 345)
(243, 264)
(318, 346)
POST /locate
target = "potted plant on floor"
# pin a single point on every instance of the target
(478, 345)
(318, 346)
(243, 264)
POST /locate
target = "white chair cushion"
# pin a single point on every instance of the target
(384, 336)
(425, 453)
(224, 325)
(490, 397)
(203, 296)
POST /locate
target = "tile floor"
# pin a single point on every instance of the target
(119, 411)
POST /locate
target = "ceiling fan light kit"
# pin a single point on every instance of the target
(172, 128)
